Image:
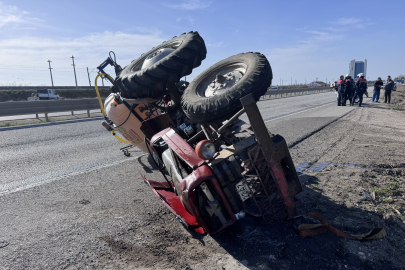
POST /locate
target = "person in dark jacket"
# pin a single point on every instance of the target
(341, 91)
(349, 89)
(361, 86)
(377, 88)
(388, 88)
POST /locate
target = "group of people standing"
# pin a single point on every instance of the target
(349, 90)
(389, 86)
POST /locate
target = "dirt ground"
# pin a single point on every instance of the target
(352, 173)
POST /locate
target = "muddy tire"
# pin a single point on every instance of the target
(214, 95)
(180, 55)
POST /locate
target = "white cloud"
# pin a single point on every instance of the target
(318, 40)
(216, 44)
(27, 57)
(322, 36)
(192, 5)
(352, 22)
(304, 49)
(311, 54)
(188, 18)
(11, 15)
(347, 21)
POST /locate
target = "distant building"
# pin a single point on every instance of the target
(356, 67)
(317, 84)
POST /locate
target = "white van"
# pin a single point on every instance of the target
(43, 94)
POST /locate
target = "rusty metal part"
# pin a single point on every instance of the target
(278, 165)
(262, 187)
(233, 150)
(230, 121)
(206, 130)
(195, 137)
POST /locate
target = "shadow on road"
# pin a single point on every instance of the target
(278, 246)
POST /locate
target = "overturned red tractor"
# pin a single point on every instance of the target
(215, 167)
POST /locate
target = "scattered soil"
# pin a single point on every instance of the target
(398, 98)
(363, 189)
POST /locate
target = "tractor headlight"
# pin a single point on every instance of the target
(205, 149)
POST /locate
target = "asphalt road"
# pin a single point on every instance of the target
(65, 187)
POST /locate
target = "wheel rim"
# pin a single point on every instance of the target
(222, 79)
(156, 55)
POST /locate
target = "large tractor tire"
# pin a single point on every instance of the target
(214, 95)
(149, 75)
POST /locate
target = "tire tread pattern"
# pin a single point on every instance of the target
(152, 81)
(220, 107)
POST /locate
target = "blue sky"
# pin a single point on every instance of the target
(302, 40)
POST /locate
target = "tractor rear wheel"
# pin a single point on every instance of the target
(214, 95)
(149, 75)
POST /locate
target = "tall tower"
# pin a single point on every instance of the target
(356, 67)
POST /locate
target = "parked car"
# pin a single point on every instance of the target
(43, 94)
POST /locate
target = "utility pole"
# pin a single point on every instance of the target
(74, 70)
(50, 70)
(88, 75)
(291, 80)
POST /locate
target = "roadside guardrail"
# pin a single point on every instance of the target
(50, 87)
(65, 105)
(298, 91)
(48, 106)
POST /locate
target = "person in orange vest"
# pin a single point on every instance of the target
(341, 93)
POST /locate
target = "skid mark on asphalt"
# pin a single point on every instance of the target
(58, 175)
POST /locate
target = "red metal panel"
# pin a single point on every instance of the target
(187, 186)
(182, 148)
(273, 152)
(159, 134)
(163, 191)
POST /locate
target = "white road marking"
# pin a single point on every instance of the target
(299, 112)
